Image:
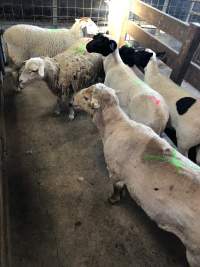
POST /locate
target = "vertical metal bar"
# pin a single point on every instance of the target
(55, 12)
(165, 5)
(91, 3)
(189, 13)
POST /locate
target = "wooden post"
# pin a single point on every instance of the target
(117, 19)
(55, 13)
(187, 51)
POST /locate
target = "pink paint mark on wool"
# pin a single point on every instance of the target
(155, 100)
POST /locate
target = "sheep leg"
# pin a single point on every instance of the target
(181, 149)
(118, 189)
(14, 78)
(71, 112)
(71, 108)
(57, 108)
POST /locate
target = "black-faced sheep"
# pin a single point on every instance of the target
(183, 107)
(131, 57)
(137, 99)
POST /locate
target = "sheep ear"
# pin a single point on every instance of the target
(161, 55)
(41, 71)
(94, 103)
(77, 20)
(112, 45)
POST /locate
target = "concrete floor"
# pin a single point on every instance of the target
(58, 190)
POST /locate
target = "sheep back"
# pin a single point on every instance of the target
(79, 71)
(26, 41)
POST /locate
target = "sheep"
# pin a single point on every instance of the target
(136, 98)
(164, 183)
(64, 73)
(26, 41)
(183, 107)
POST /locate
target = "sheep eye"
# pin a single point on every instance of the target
(86, 98)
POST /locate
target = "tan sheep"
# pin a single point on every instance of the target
(65, 73)
(26, 41)
(164, 183)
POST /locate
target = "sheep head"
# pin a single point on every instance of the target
(159, 55)
(101, 44)
(33, 70)
(87, 26)
(132, 57)
(95, 97)
(154, 59)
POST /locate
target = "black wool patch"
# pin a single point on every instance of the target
(183, 104)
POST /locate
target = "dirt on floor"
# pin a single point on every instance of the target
(58, 190)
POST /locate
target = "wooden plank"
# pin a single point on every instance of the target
(123, 29)
(163, 21)
(149, 41)
(186, 54)
(193, 75)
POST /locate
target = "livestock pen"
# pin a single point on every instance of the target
(54, 182)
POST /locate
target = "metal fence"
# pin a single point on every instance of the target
(186, 10)
(51, 12)
(56, 13)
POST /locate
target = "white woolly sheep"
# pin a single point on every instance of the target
(65, 73)
(26, 41)
(183, 107)
(137, 99)
(161, 180)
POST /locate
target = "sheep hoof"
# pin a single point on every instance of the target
(71, 117)
(118, 192)
(57, 112)
(114, 199)
(18, 90)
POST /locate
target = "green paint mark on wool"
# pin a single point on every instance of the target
(52, 30)
(81, 49)
(175, 161)
(172, 160)
(152, 157)
(127, 44)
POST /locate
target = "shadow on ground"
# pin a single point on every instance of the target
(58, 190)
